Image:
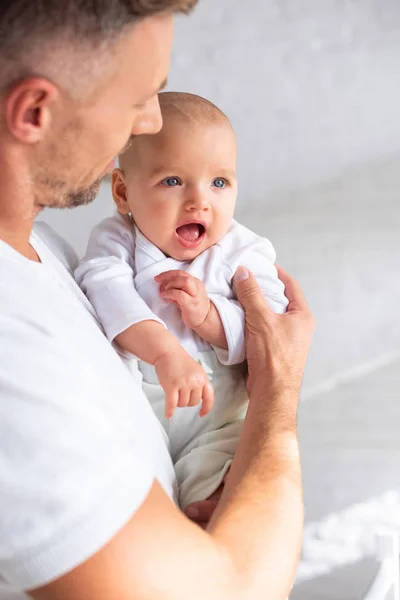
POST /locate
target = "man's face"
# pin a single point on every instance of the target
(87, 135)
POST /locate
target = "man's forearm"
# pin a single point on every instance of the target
(262, 504)
(252, 546)
(212, 329)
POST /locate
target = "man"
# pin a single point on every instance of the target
(85, 478)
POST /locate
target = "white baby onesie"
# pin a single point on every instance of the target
(117, 274)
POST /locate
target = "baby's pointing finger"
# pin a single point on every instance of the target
(171, 402)
(208, 400)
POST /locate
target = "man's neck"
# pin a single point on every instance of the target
(17, 207)
(19, 240)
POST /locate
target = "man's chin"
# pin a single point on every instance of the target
(82, 197)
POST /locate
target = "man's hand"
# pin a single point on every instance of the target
(188, 293)
(276, 345)
(184, 382)
(201, 512)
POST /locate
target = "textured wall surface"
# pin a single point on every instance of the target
(310, 85)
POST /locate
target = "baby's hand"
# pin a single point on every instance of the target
(184, 382)
(188, 293)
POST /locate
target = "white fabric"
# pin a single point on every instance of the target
(79, 443)
(118, 271)
(202, 448)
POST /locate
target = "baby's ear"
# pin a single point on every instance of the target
(118, 188)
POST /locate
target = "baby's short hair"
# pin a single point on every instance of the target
(192, 107)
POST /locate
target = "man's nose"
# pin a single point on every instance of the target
(150, 119)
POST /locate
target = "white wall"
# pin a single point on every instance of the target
(313, 90)
(311, 86)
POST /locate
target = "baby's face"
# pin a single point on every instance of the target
(182, 189)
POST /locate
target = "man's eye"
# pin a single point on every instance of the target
(171, 182)
(219, 183)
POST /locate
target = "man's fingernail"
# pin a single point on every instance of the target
(241, 274)
(192, 512)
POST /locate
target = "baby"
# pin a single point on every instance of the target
(159, 275)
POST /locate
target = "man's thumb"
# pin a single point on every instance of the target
(247, 289)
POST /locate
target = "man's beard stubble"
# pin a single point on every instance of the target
(87, 196)
(54, 191)
(82, 197)
(57, 195)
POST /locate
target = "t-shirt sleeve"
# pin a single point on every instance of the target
(259, 257)
(106, 275)
(69, 476)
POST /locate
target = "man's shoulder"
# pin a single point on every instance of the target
(62, 250)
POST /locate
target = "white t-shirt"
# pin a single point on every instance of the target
(79, 444)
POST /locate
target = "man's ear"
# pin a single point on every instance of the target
(28, 109)
(118, 187)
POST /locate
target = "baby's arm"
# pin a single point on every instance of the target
(106, 275)
(217, 319)
(258, 257)
(183, 380)
(198, 311)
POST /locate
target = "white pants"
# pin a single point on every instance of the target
(202, 448)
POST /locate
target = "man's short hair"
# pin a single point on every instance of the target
(28, 26)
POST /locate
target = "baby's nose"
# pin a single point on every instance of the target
(197, 201)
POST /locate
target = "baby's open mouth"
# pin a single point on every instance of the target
(191, 235)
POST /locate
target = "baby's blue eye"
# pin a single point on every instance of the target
(171, 181)
(219, 183)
